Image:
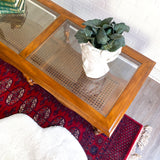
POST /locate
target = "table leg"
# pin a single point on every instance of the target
(97, 131)
(29, 80)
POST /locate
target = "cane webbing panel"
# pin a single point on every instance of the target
(18, 30)
(60, 58)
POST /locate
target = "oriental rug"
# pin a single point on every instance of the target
(17, 96)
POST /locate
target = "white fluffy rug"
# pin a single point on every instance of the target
(22, 139)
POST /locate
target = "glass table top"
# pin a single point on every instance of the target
(60, 58)
(18, 30)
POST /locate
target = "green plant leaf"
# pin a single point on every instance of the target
(105, 34)
(106, 21)
(102, 37)
(106, 46)
(81, 36)
(109, 31)
(121, 27)
(94, 30)
(116, 44)
(92, 41)
(105, 26)
(93, 23)
(88, 31)
(115, 36)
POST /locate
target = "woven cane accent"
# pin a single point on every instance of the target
(59, 57)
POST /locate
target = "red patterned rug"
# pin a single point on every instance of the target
(16, 96)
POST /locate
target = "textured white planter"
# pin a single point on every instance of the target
(95, 60)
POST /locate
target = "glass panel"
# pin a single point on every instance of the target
(18, 30)
(60, 58)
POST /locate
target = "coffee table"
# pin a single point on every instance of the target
(45, 50)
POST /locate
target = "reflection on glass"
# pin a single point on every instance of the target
(18, 30)
(60, 58)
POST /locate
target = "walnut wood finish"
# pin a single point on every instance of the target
(29, 80)
(105, 124)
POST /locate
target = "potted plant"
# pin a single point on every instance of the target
(101, 42)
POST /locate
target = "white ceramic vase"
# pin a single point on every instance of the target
(95, 60)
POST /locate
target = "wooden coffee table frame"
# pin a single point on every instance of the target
(105, 124)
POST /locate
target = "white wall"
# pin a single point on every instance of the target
(143, 17)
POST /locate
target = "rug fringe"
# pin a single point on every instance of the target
(142, 141)
(135, 157)
(146, 133)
